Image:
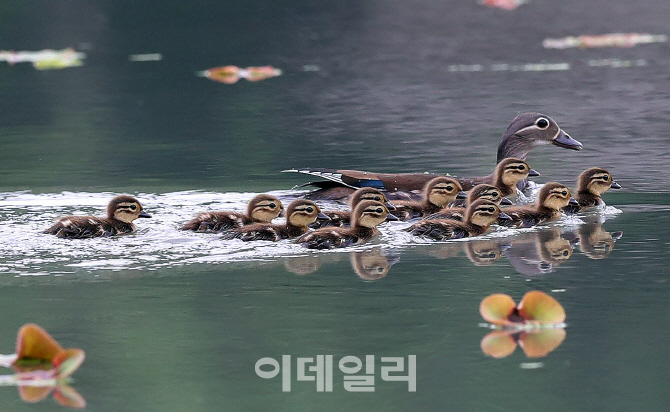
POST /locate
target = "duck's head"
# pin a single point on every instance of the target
(264, 208)
(483, 213)
(487, 192)
(528, 130)
(370, 214)
(441, 191)
(555, 196)
(369, 193)
(371, 264)
(303, 212)
(125, 209)
(510, 171)
(596, 180)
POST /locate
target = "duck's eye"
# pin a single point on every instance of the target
(542, 123)
(379, 210)
(450, 188)
(309, 209)
(133, 207)
(565, 253)
(491, 210)
(606, 178)
(272, 205)
(564, 193)
(521, 167)
(377, 198)
(495, 194)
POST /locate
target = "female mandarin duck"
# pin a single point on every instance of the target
(525, 132)
(551, 199)
(478, 217)
(342, 218)
(483, 191)
(299, 215)
(437, 194)
(261, 209)
(121, 212)
(366, 217)
(591, 184)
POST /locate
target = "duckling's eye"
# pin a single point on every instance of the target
(133, 207)
(272, 205)
(491, 210)
(450, 188)
(522, 167)
(542, 123)
(309, 209)
(606, 178)
(565, 253)
(564, 193)
(377, 198)
(495, 194)
(379, 210)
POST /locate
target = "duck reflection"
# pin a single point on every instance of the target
(369, 265)
(595, 242)
(540, 252)
(484, 252)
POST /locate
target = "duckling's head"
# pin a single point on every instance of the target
(484, 191)
(371, 264)
(554, 196)
(125, 209)
(596, 180)
(483, 213)
(303, 212)
(441, 191)
(512, 170)
(369, 193)
(264, 208)
(528, 130)
(370, 214)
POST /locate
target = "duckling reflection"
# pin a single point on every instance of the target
(372, 264)
(595, 242)
(303, 265)
(484, 252)
(539, 253)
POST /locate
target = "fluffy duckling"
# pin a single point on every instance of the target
(478, 217)
(366, 217)
(342, 218)
(482, 191)
(591, 184)
(437, 194)
(551, 199)
(261, 209)
(526, 131)
(505, 177)
(121, 212)
(299, 215)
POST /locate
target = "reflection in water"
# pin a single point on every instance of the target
(596, 243)
(484, 252)
(535, 344)
(232, 74)
(45, 59)
(370, 264)
(538, 252)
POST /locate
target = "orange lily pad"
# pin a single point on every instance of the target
(34, 344)
(537, 306)
(497, 308)
(68, 361)
(67, 396)
(33, 394)
(540, 343)
(498, 344)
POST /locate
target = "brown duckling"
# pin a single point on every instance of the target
(342, 218)
(478, 217)
(525, 132)
(121, 212)
(551, 199)
(482, 191)
(371, 265)
(366, 217)
(437, 194)
(591, 184)
(299, 215)
(261, 209)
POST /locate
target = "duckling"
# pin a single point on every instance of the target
(591, 184)
(482, 191)
(342, 218)
(121, 212)
(437, 194)
(551, 199)
(366, 217)
(524, 133)
(299, 214)
(261, 209)
(478, 217)
(371, 265)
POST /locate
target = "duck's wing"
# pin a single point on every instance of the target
(215, 222)
(355, 179)
(437, 230)
(79, 227)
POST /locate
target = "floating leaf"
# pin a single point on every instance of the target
(537, 344)
(539, 307)
(32, 394)
(497, 308)
(68, 361)
(34, 343)
(67, 396)
(498, 344)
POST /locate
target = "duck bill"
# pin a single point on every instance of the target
(144, 214)
(564, 140)
(573, 202)
(391, 218)
(615, 185)
(389, 205)
(504, 216)
(321, 216)
(533, 173)
(462, 195)
(505, 201)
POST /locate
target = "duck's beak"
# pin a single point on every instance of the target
(389, 205)
(533, 173)
(564, 140)
(391, 218)
(505, 201)
(143, 214)
(504, 216)
(321, 216)
(573, 202)
(615, 185)
(462, 195)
